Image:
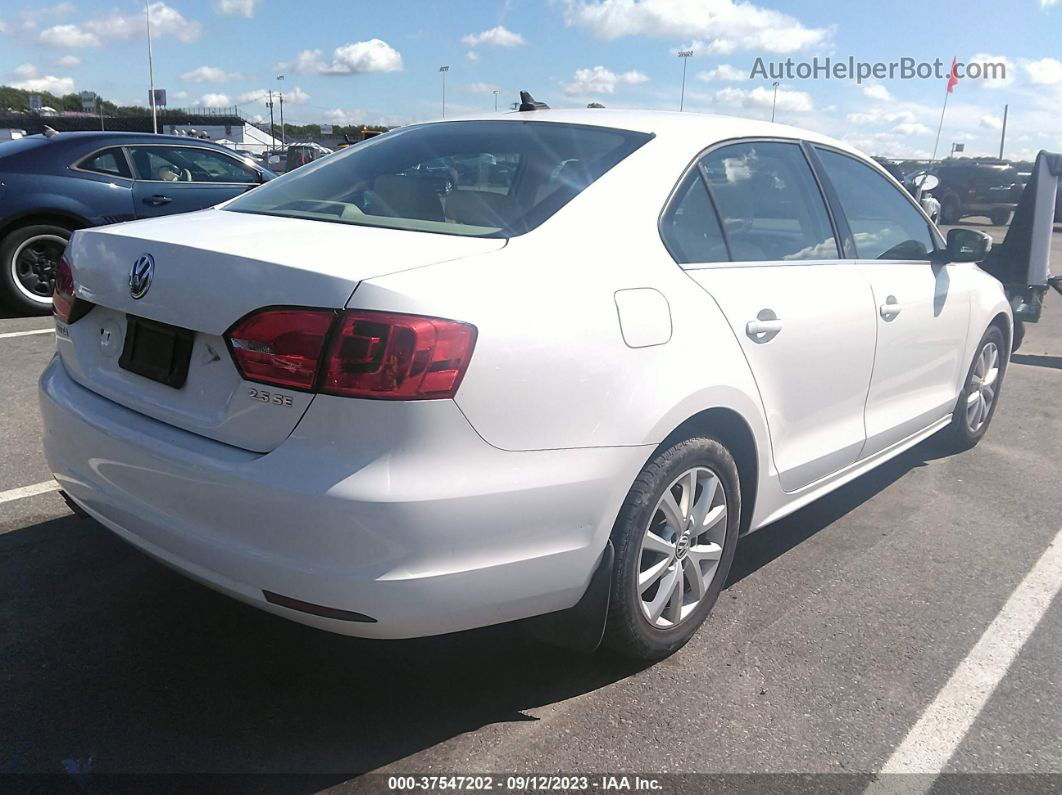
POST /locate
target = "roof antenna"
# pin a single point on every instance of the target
(528, 102)
(50, 132)
(595, 105)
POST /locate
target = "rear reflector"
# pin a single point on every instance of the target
(357, 353)
(316, 610)
(397, 357)
(281, 347)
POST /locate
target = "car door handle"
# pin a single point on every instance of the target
(890, 309)
(157, 199)
(763, 329)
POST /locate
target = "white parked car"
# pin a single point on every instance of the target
(392, 395)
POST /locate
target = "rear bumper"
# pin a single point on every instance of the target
(397, 511)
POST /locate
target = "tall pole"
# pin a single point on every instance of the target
(774, 102)
(495, 92)
(283, 130)
(272, 131)
(1003, 134)
(940, 126)
(444, 70)
(151, 71)
(685, 56)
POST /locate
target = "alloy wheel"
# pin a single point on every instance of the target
(983, 386)
(34, 265)
(681, 547)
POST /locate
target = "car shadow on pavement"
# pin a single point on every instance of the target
(1035, 360)
(114, 664)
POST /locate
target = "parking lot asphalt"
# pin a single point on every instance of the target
(839, 629)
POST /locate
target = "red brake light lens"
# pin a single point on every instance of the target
(282, 347)
(63, 295)
(397, 357)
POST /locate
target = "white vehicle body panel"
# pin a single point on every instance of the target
(592, 348)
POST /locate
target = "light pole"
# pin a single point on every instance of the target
(774, 102)
(685, 56)
(272, 130)
(444, 70)
(151, 72)
(283, 135)
(495, 92)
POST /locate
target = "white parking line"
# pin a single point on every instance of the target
(28, 491)
(9, 334)
(931, 742)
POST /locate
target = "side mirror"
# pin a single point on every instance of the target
(966, 245)
(925, 182)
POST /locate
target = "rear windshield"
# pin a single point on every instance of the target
(479, 178)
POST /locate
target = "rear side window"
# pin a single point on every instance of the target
(769, 203)
(884, 224)
(110, 162)
(480, 178)
(690, 228)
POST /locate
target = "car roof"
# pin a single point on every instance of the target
(102, 138)
(698, 129)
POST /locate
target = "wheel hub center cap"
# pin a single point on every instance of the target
(682, 546)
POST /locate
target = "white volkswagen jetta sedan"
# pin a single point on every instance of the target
(475, 371)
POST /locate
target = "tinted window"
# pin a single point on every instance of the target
(884, 223)
(690, 228)
(489, 178)
(110, 162)
(769, 202)
(189, 164)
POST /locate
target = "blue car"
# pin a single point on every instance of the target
(51, 185)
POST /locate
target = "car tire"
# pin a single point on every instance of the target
(949, 210)
(29, 256)
(701, 467)
(999, 217)
(978, 400)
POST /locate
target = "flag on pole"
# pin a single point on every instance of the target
(953, 75)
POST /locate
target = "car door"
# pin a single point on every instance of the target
(749, 224)
(923, 308)
(179, 179)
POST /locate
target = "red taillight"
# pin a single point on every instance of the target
(282, 347)
(380, 355)
(397, 357)
(63, 295)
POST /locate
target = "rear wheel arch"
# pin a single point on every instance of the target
(44, 218)
(734, 432)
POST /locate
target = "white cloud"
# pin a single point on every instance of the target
(1009, 67)
(762, 98)
(236, 8)
(165, 21)
(69, 36)
(361, 57)
(1044, 72)
(295, 96)
(879, 116)
(499, 36)
(31, 16)
(1048, 3)
(179, 95)
(724, 72)
(480, 88)
(990, 122)
(215, 100)
(717, 26)
(600, 80)
(472, 56)
(911, 128)
(32, 80)
(210, 74)
(877, 91)
(4, 27)
(69, 60)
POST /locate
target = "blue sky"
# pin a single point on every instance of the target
(377, 61)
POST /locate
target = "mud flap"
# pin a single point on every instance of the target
(1022, 261)
(579, 628)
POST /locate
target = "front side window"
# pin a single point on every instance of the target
(480, 178)
(110, 162)
(189, 164)
(769, 203)
(884, 224)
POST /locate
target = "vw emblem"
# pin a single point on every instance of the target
(140, 275)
